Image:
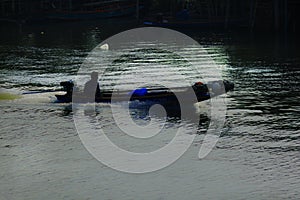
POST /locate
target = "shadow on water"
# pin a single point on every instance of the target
(142, 114)
(67, 110)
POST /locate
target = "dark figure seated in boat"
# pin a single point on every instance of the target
(92, 88)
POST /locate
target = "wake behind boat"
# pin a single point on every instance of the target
(163, 95)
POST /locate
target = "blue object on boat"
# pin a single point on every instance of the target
(140, 92)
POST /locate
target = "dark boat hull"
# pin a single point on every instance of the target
(162, 95)
(107, 98)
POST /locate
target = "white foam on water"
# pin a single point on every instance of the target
(38, 98)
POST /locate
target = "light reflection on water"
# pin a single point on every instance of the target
(260, 138)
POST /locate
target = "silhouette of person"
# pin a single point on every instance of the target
(92, 88)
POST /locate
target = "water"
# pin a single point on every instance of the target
(257, 156)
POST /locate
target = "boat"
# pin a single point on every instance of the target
(95, 10)
(161, 95)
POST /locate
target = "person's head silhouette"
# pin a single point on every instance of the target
(94, 75)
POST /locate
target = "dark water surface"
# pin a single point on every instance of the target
(41, 156)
